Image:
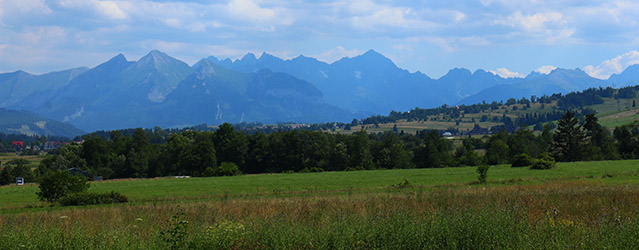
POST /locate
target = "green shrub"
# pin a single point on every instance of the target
(482, 170)
(86, 198)
(56, 184)
(312, 170)
(227, 169)
(522, 160)
(175, 234)
(402, 184)
(542, 164)
(208, 172)
(545, 162)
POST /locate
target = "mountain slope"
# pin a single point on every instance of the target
(214, 95)
(16, 86)
(20, 122)
(369, 83)
(117, 88)
(630, 76)
(557, 81)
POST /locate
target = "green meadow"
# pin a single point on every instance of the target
(576, 205)
(305, 184)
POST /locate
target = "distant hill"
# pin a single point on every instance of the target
(21, 122)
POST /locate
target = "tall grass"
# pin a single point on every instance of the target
(554, 215)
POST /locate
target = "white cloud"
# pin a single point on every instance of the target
(24, 6)
(106, 9)
(545, 70)
(368, 15)
(44, 36)
(613, 66)
(249, 9)
(337, 53)
(549, 28)
(538, 22)
(505, 73)
(110, 10)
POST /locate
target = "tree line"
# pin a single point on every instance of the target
(227, 151)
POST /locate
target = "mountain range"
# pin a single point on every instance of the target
(159, 90)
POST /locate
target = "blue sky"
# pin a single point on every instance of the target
(511, 38)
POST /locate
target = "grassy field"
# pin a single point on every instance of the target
(14, 198)
(34, 160)
(576, 205)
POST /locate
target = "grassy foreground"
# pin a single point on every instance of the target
(577, 205)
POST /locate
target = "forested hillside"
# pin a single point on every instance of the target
(607, 103)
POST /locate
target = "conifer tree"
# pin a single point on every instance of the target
(570, 139)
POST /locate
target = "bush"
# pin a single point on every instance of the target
(56, 184)
(482, 170)
(542, 164)
(546, 162)
(227, 169)
(208, 172)
(522, 160)
(312, 170)
(402, 184)
(86, 198)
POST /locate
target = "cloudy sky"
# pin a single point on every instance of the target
(508, 37)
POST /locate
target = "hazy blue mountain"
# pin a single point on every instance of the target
(161, 90)
(214, 95)
(85, 95)
(116, 89)
(557, 81)
(373, 84)
(460, 83)
(369, 83)
(16, 86)
(23, 122)
(630, 76)
(154, 76)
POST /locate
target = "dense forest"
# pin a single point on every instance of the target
(227, 151)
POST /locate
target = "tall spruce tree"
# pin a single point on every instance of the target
(570, 139)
